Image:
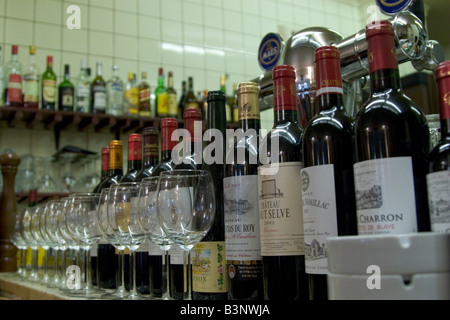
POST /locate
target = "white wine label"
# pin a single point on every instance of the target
(319, 215)
(154, 250)
(385, 198)
(438, 184)
(176, 255)
(241, 218)
(209, 267)
(280, 209)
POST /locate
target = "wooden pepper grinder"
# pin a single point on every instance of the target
(8, 210)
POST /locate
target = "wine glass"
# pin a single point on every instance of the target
(27, 235)
(18, 240)
(123, 219)
(102, 215)
(83, 226)
(186, 208)
(148, 220)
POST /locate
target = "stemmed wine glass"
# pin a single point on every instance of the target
(26, 232)
(82, 224)
(123, 219)
(148, 220)
(186, 209)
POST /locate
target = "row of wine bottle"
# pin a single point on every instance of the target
(337, 176)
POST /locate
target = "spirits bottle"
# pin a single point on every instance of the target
(31, 81)
(172, 103)
(49, 86)
(144, 96)
(131, 95)
(392, 146)
(82, 89)
(98, 92)
(161, 98)
(66, 92)
(115, 93)
(13, 80)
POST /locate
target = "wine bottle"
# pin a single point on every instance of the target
(107, 259)
(190, 100)
(66, 92)
(192, 142)
(31, 79)
(392, 146)
(212, 284)
(156, 263)
(328, 191)
(240, 185)
(104, 170)
(172, 103)
(134, 157)
(13, 80)
(182, 100)
(280, 201)
(49, 86)
(98, 92)
(161, 98)
(438, 177)
(223, 88)
(151, 153)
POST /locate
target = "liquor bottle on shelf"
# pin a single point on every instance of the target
(82, 89)
(98, 92)
(131, 95)
(144, 96)
(212, 284)
(204, 106)
(182, 100)
(223, 88)
(327, 176)
(150, 154)
(280, 190)
(104, 170)
(190, 100)
(241, 203)
(115, 93)
(161, 98)
(49, 86)
(13, 80)
(234, 104)
(66, 92)
(192, 142)
(134, 157)
(31, 81)
(438, 177)
(2, 81)
(392, 144)
(168, 125)
(106, 259)
(172, 103)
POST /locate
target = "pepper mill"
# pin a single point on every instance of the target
(8, 211)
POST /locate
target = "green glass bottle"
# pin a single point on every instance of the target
(161, 100)
(66, 92)
(49, 86)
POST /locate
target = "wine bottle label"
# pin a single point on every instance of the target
(176, 255)
(190, 105)
(209, 267)
(280, 209)
(67, 98)
(31, 88)
(438, 184)
(49, 90)
(15, 88)
(319, 215)
(163, 103)
(241, 218)
(172, 104)
(385, 199)
(132, 95)
(82, 99)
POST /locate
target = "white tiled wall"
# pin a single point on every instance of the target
(199, 38)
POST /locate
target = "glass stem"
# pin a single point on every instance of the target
(87, 257)
(121, 271)
(34, 265)
(166, 293)
(63, 269)
(187, 274)
(133, 290)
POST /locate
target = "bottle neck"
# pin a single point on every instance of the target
(161, 81)
(285, 100)
(445, 129)
(383, 80)
(151, 150)
(166, 143)
(329, 101)
(170, 82)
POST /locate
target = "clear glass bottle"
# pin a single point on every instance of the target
(161, 102)
(115, 92)
(98, 92)
(13, 80)
(82, 88)
(31, 79)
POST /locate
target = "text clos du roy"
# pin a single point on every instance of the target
(438, 177)
(212, 285)
(280, 202)
(328, 189)
(392, 145)
(241, 203)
